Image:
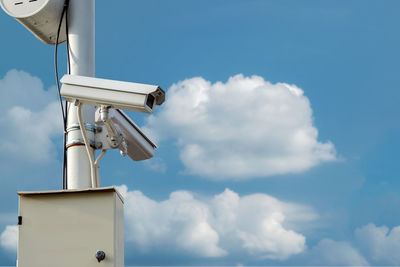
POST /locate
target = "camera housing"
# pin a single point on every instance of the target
(115, 94)
(41, 17)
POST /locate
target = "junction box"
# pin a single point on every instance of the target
(67, 228)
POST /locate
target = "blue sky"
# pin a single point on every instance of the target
(286, 111)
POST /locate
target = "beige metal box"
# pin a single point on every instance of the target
(66, 228)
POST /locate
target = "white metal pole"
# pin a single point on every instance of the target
(82, 54)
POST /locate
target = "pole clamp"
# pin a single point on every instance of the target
(89, 127)
(81, 142)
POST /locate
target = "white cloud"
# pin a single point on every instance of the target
(30, 118)
(330, 252)
(380, 243)
(9, 238)
(181, 221)
(255, 222)
(244, 128)
(224, 225)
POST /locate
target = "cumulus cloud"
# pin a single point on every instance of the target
(380, 243)
(244, 128)
(377, 245)
(30, 118)
(223, 225)
(9, 238)
(330, 252)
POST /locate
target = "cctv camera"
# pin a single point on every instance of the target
(127, 135)
(116, 94)
(41, 17)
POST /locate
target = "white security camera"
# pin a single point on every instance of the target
(116, 94)
(41, 17)
(125, 135)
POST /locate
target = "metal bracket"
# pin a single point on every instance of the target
(104, 138)
(111, 136)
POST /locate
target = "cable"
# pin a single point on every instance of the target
(67, 34)
(65, 159)
(64, 11)
(97, 165)
(56, 66)
(87, 146)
